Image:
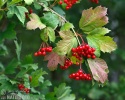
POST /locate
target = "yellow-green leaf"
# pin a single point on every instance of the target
(35, 22)
(65, 45)
(93, 18)
(105, 43)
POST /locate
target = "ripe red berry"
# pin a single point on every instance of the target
(35, 54)
(30, 11)
(60, 2)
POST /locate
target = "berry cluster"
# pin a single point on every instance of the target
(42, 51)
(79, 75)
(30, 11)
(68, 3)
(23, 88)
(83, 51)
(67, 64)
(95, 1)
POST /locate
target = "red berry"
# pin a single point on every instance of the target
(35, 54)
(43, 53)
(93, 57)
(73, 50)
(39, 52)
(42, 49)
(30, 11)
(60, 2)
(77, 78)
(67, 7)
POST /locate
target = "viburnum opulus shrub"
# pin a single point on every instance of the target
(23, 77)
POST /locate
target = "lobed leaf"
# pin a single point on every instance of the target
(99, 69)
(35, 77)
(93, 18)
(65, 45)
(50, 20)
(19, 11)
(99, 31)
(66, 26)
(103, 43)
(53, 60)
(35, 22)
(63, 92)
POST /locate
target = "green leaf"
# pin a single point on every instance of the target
(51, 34)
(46, 84)
(13, 2)
(99, 69)
(5, 86)
(44, 35)
(65, 45)
(1, 67)
(35, 77)
(2, 2)
(26, 81)
(63, 92)
(105, 43)
(30, 66)
(10, 68)
(28, 59)
(19, 11)
(35, 22)
(3, 50)
(9, 33)
(1, 14)
(59, 10)
(94, 44)
(50, 20)
(66, 26)
(22, 73)
(36, 5)
(51, 96)
(48, 32)
(99, 31)
(3, 77)
(29, 2)
(18, 49)
(93, 18)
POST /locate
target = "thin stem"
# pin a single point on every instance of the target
(80, 65)
(76, 36)
(63, 19)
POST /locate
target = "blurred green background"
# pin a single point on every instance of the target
(115, 89)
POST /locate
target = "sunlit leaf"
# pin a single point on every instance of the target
(66, 26)
(35, 22)
(93, 18)
(65, 45)
(29, 2)
(99, 31)
(104, 43)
